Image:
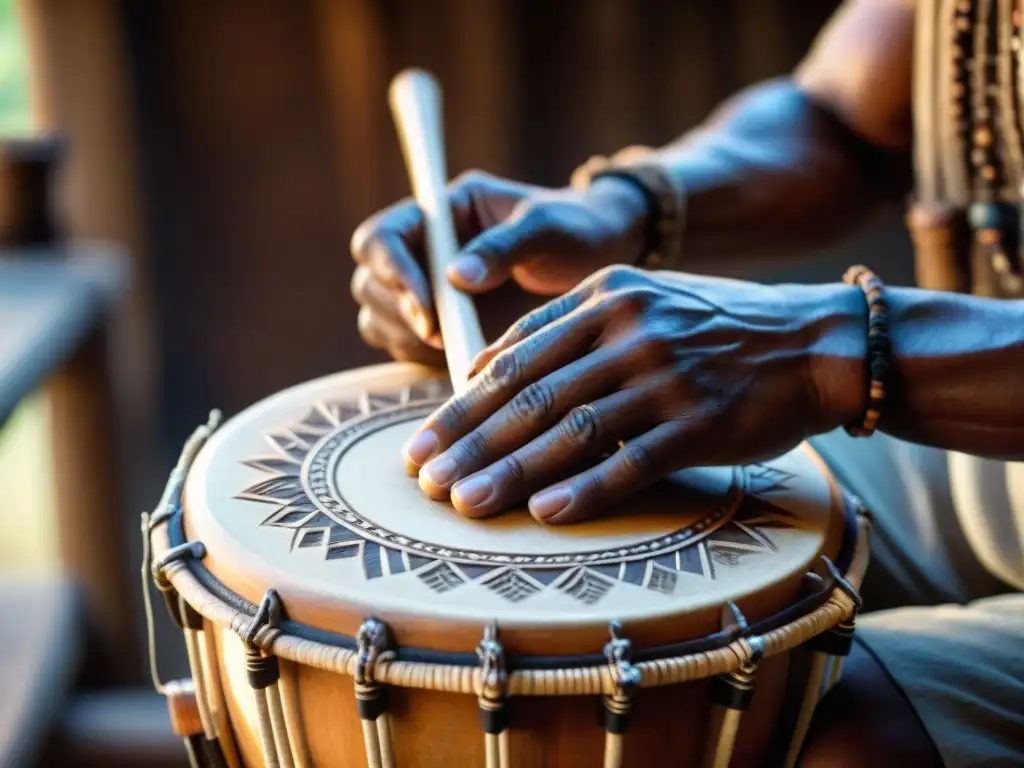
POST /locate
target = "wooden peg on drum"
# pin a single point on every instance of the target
(406, 635)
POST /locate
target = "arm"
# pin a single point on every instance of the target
(958, 376)
(794, 164)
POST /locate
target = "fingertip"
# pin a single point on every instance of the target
(417, 318)
(420, 448)
(432, 489)
(550, 505)
(474, 496)
(468, 272)
(357, 243)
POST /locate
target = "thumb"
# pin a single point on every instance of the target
(487, 260)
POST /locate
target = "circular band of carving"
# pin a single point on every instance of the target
(319, 473)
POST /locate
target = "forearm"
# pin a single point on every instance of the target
(957, 377)
(773, 174)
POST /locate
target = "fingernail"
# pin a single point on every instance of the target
(414, 316)
(550, 503)
(473, 491)
(421, 447)
(441, 471)
(471, 269)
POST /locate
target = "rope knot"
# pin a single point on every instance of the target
(372, 643)
(618, 651)
(493, 675)
(735, 624)
(193, 549)
(267, 615)
(838, 581)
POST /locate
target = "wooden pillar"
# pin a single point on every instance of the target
(80, 91)
(91, 537)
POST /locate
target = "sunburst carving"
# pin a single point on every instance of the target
(317, 522)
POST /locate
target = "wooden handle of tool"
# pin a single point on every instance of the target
(415, 98)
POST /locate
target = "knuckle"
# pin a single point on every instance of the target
(633, 299)
(536, 216)
(505, 370)
(655, 348)
(514, 468)
(368, 327)
(615, 277)
(677, 391)
(637, 460)
(358, 286)
(582, 425)
(471, 179)
(453, 417)
(592, 487)
(473, 447)
(360, 237)
(533, 403)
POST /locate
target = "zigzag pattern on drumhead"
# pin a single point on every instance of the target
(343, 534)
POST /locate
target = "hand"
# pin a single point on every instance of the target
(547, 240)
(679, 370)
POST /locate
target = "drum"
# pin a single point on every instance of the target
(337, 617)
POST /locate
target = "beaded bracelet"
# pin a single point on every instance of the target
(879, 347)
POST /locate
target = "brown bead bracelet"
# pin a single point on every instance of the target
(879, 348)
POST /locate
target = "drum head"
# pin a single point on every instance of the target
(306, 493)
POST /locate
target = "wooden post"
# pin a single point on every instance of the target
(90, 527)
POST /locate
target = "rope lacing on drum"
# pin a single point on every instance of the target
(493, 697)
(156, 572)
(732, 693)
(193, 549)
(372, 648)
(625, 677)
(839, 581)
(268, 614)
(736, 624)
(493, 675)
(618, 651)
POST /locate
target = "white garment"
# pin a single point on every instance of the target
(988, 497)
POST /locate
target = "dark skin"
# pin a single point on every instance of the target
(686, 370)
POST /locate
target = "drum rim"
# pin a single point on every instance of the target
(851, 534)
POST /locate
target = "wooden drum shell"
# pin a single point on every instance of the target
(432, 728)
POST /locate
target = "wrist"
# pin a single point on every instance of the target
(630, 212)
(836, 369)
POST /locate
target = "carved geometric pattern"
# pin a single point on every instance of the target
(586, 586)
(317, 522)
(442, 577)
(513, 585)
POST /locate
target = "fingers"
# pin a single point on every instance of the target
(394, 337)
(528, 325)
(533, 410)
(586, 432)
(371, 294)
(638, 464)
(385, 244)
(514, 370)
(486, 261)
